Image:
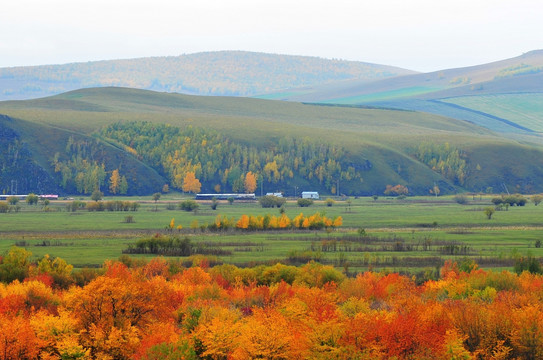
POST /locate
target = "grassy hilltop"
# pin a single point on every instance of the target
(380, 145)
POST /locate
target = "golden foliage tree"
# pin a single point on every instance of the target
(250, 182)
(191, 183)
(114, 182)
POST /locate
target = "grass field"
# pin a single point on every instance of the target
(523, 109)
(384, 95)
(410, 235)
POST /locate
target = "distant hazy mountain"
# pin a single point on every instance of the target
(232, 73)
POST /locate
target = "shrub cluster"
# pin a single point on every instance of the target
(188, 205)
(173, 246)
(461, 199)
(270, 201)
(113, 206)
(316, 221)
(305, 202)
(4, 207)
(75, 205)
(512, 200)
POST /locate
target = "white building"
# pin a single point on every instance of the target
(310, 195)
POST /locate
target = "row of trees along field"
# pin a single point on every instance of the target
(221, 164)
(158, 309)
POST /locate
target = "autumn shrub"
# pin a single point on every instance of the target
(489, 211)
(314, 274)
(276, 273)
(32, 199)
(497, 200)
(304, 202)
(515, 199)
(59, 270)
(96, 206)
(15, 265)
(270, 201)
(188, 205)
(12, 200)
(536, 199)
(75, 205)
(4, 207)
(461, 199)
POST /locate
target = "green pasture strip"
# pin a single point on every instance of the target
(89, 238)
(523, 109)
(384, 95)
(415, 212)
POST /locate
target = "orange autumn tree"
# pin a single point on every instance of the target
(114, 311)
(243, 222)
(250, 182)
(191, 183)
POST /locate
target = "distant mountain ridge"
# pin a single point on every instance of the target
(222, 73)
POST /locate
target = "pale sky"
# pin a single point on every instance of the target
(423, 35)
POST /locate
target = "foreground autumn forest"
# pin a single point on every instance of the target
(158, 309)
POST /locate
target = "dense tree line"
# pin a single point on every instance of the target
(220, 163)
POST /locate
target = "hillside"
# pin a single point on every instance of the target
(446, 92)
(233, 73)
(79, 138)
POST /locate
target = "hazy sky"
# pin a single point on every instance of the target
(422, 35)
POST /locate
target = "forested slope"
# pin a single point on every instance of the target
(151, 139)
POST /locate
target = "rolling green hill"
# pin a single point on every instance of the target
(232, 73)
(67, 137)
(469, 94)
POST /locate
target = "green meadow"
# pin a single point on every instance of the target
(523, 109)
(409, 235)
